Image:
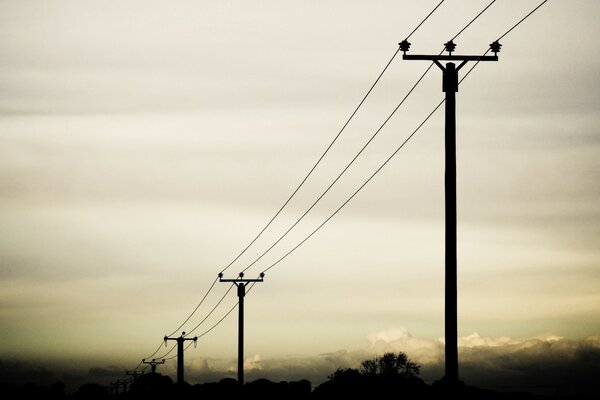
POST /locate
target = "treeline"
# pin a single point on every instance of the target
(390, 374)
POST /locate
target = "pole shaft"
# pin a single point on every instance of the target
(180, 360)
(241, 295)
(451, 315)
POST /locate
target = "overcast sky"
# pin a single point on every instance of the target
(143, 144)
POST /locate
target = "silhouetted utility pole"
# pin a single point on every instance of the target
(118, 384)
(153, 363)
(180, 340)
(241, 283)
(450, 87)
(134, 374)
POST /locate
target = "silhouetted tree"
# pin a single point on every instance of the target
(390, 364)
(91, 391)
(389, 373)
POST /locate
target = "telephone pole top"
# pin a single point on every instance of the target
(134, 374)
(241, 284)
(180, 340)
(450, 87)
(153, 363)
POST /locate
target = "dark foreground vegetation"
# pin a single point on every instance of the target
(388, 375)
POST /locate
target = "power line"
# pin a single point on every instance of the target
(341, 173)
(211, 311)
(358, 190)
(397, 149)
(226, 314)
(522, 19)
(168, 352)
(360, 151)
(195, 309)
(307, 175)
(424, 19)
(313, 167)
(361, 187)
(473, 20)
(328, 147)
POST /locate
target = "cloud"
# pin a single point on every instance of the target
(110, 372)
(544, 361)
(484, 361)
(19, 372)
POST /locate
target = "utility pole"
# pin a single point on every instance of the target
(180, 340)
(134, 374)
(450, 87)
(153, 363)
(241, 284)
(120, 383)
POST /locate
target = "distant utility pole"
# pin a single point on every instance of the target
(180, 340)
(450, 87)
(153, 363)
(241, 284)
(134, 374)
(120, 383)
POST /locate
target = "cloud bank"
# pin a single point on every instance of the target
(484, 361)
(534, 364)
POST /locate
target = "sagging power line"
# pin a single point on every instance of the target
(302, 182)
(362, 186)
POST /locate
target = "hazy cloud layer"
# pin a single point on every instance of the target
(545, 361)
(484, 361)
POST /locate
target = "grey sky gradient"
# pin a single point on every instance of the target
(143, 144)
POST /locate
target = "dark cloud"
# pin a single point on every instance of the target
(110, 372)
(20, 372)
(535, 365)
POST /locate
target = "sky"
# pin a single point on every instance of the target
(145, 144)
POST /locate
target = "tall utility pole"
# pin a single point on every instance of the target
(153, 363)
(180, 340)
(241, 284)
(450, 87)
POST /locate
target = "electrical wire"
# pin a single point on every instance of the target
(211, 311)
(358, 190)
(314, 166)
(184, 349)
(168, 352)
(328, 147)
(399, 147)
(473, 20)
(195, 309)
(281, 237)
(522, 19)
(226, 314)
(342, 172)
(301, 183)
(424, 19)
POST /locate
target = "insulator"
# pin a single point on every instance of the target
(450, 46)
(495, 47)
(404, 45)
